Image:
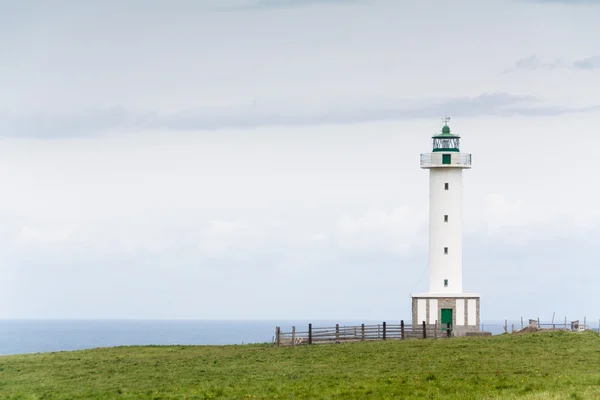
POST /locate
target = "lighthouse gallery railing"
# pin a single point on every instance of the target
(445, 159)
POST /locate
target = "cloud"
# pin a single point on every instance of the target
(378, 252)
(531, 62)
(568, 2)
(400, 231)
(220, 237)
(385, 231)
(44, 237)
(278, 113)
(84, 123)
(587, 63)
(276, 4)
(534, 62)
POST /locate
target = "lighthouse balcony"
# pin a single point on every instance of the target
(445, 160)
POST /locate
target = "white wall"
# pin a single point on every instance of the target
(445, 234)
(460, 312)
(433, 311)
(472, 312)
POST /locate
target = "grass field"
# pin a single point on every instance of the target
(550, 365)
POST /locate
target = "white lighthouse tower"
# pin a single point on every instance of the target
(445, 302)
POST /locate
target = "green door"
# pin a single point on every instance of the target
(446, 158)
(446, 317)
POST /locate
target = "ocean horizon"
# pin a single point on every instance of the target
(24, 336)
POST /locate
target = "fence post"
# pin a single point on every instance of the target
(539, 322)
(277, 333)
(384, 335)
(565, 323)
(293, 335)
(513, 328)
(402, 329)
(448, 332)
(521, 323)
(337, 333)
(505, 326)
(309, 333)
(435, 329)
(424, 330)
(362, 330)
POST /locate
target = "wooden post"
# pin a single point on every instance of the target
(435, 329)
(584, 323)
(277, 333)
(565, 323)
(424, 330)
(384, 330)
(521, 323)
(448, 329)
(337, 333)
(293, 335)
(362, 329)
(309, 333)
(402, 329)
(539, 323)
(505, 326)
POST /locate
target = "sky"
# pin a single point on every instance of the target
(259, 159)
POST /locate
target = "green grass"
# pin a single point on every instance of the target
(551, 365)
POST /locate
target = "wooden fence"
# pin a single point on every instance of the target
(536, 324)
(554, 325)
(356, 333)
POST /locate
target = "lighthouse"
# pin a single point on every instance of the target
(445, 302)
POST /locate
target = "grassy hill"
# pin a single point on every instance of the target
(549, 365)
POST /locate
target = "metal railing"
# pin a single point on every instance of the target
(433, 160)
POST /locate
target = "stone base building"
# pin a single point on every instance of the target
(461, 310)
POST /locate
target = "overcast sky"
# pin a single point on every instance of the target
(260, 159)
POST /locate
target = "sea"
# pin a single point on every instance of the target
(41, 336)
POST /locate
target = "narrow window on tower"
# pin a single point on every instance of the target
(445, 282)
(446, 186)
(445, 250)
(445, 218)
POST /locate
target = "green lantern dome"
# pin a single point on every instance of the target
(446, 141)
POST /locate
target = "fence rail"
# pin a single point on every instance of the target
(536, 324)
(355, 333)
